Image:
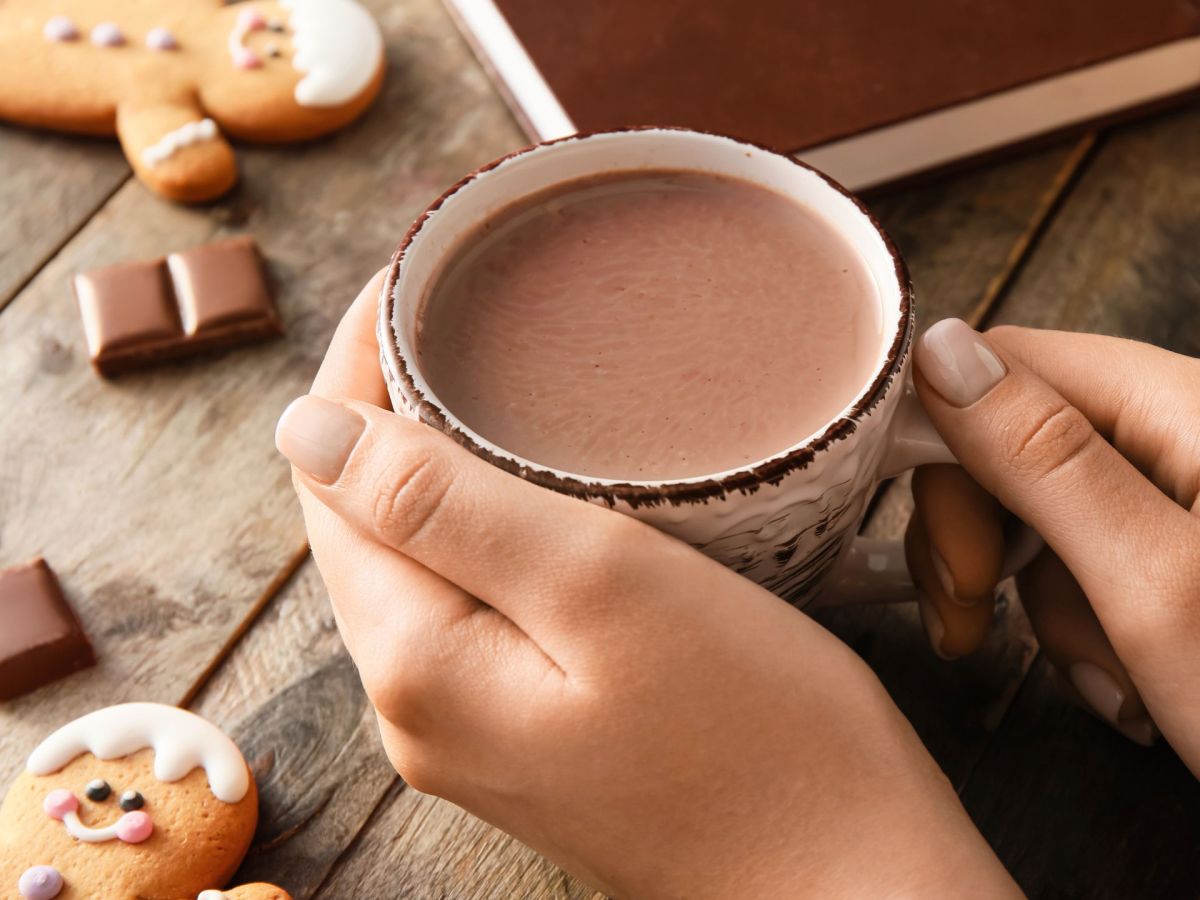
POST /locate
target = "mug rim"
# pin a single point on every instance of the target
(746, 479)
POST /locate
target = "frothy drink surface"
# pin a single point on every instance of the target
(650, 325)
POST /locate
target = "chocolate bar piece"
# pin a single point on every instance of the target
(41, 639)
(143, 313)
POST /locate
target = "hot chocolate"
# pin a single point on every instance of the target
(650, 325)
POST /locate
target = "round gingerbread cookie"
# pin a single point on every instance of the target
(173, 78)
(132, 801)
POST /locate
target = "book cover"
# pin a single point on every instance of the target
(869, 90)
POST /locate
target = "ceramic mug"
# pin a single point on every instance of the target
(789, 522)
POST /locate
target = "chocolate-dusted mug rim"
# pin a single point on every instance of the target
(636, 494)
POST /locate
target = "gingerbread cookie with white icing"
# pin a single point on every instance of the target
(132, 801)
(174, 79)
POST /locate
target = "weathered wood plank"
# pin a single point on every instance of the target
(52, 184)
(290, 697)
(424, 848)
(1073, 809)
(159, 498)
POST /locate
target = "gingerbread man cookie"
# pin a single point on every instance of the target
(174, 78)
(132, 801)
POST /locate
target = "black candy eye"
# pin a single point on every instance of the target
(131, 800)
(98, 790)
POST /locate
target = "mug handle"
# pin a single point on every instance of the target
(874, 570)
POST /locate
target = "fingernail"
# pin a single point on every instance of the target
(957, 362)
(1099, 689)
(945, 576)
(317, 436)
(935, 628)
(1140, 731)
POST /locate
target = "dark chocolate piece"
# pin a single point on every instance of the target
(143, 313)
(41, 639)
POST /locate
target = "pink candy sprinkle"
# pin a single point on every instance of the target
(59, 802)
(107, 34)
(245, 58)
(60, 28)
(161, 39)
(134, 827)
(250, 19)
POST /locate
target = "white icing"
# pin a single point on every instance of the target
(174, 141)
(181, 741)
(338, 46)
(81, 832)
(210, 895)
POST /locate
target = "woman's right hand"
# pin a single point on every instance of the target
(1095, 442)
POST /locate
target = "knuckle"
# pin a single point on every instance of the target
(1050, 442)
(401, 687)
(398, 698)
(408, 496)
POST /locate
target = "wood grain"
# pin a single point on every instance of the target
(290, 697)
(159, 498)
(418, 846)
(52, 185)
(1073, 809)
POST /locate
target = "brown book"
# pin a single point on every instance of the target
(871, 91)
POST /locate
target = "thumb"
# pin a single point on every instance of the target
(537, 556)
(1045, 462)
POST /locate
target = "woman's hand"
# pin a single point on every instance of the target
(643, 716)
(1095, 442)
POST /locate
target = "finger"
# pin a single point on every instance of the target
(1116, 532)
(1136, 404)
(430, 656)
(955, 548)
(965, 527)
(537, 556)
(1074, 643)
(954, 629)
(351, 367)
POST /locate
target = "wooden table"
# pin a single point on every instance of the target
(162, 504)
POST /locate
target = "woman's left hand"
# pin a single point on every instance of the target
(645, 717)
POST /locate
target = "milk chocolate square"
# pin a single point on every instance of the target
(126, 305)
(41, 639)
(143, 313)
(221, 285)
